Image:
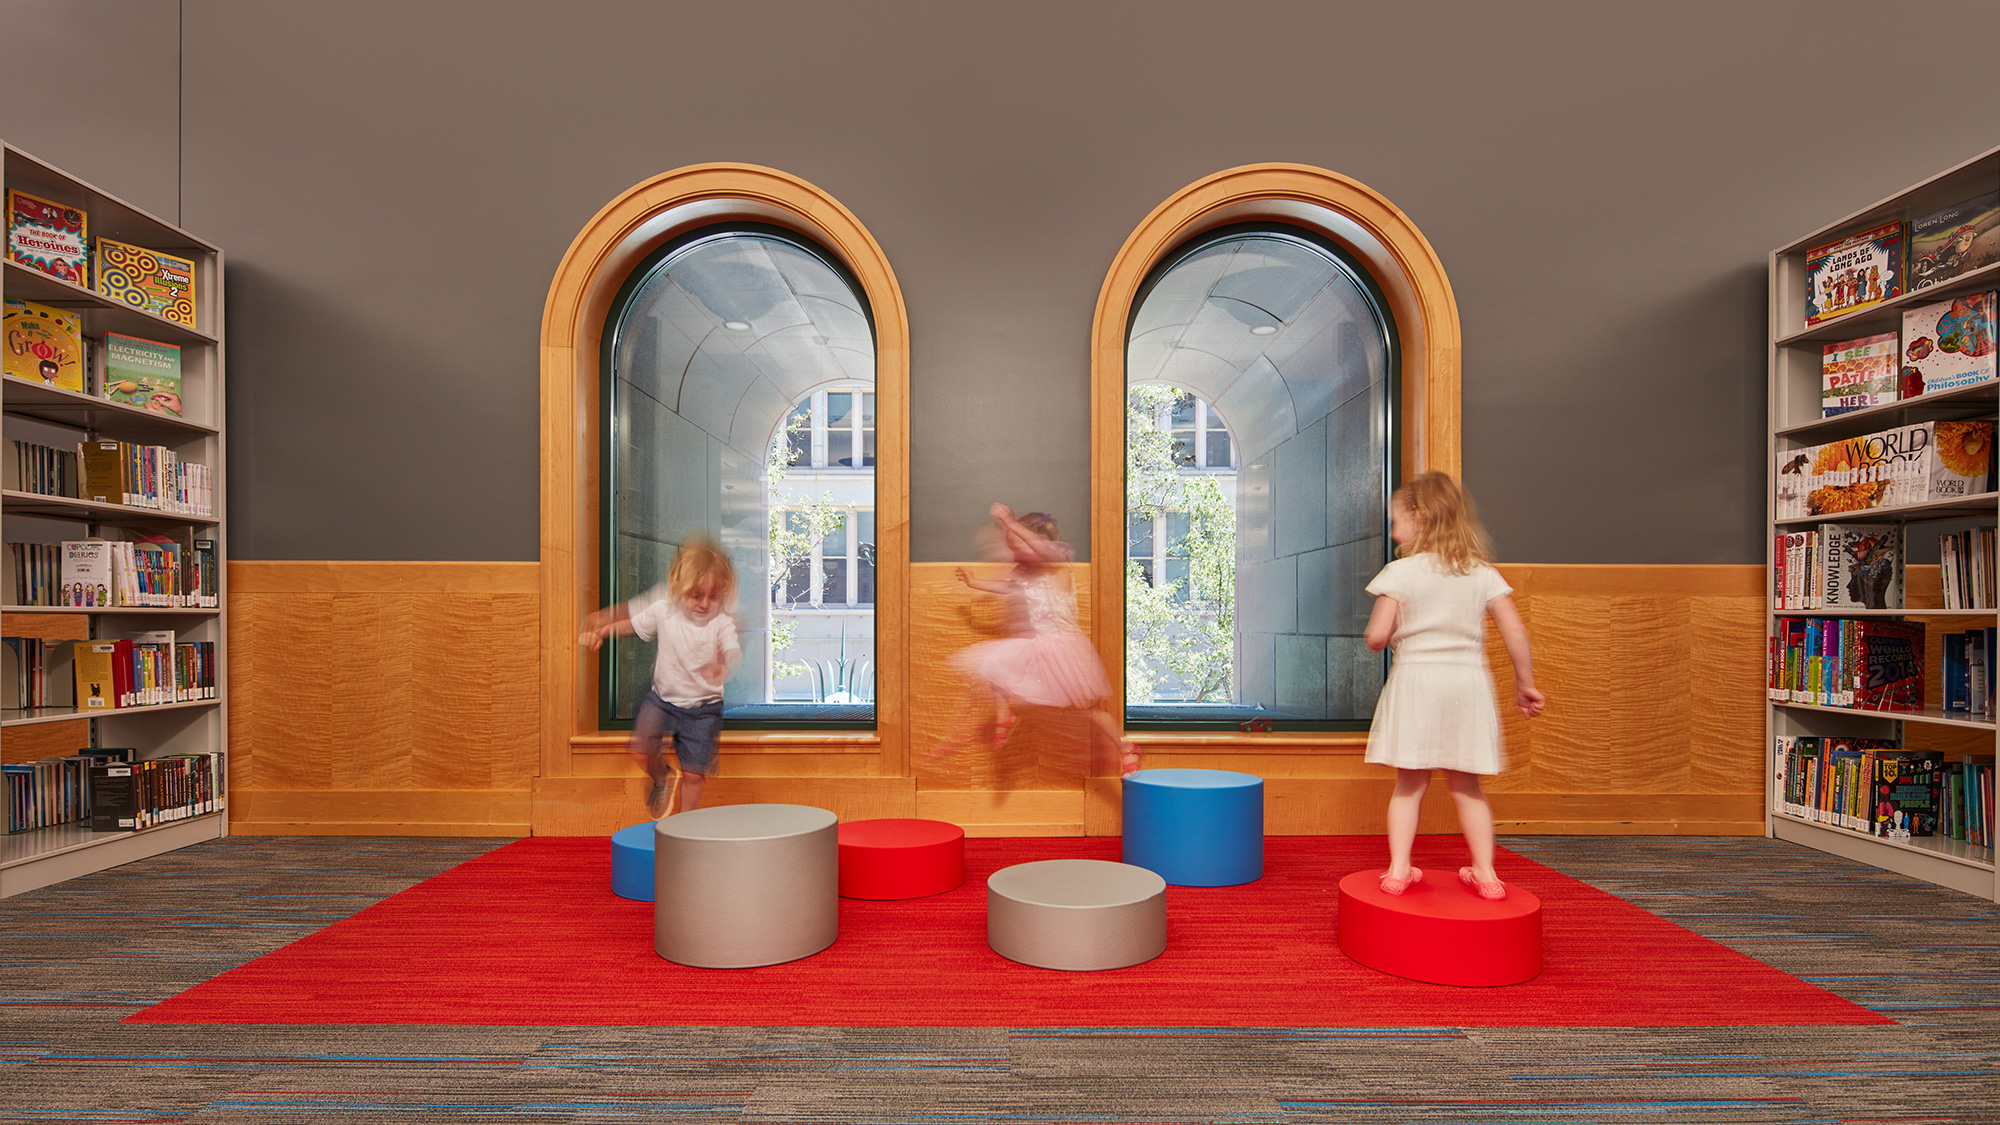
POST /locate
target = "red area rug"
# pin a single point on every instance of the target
(530, 934)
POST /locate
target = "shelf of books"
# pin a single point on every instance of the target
(1884, 636)
(113, 690)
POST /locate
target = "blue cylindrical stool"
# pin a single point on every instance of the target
(1195, 828)
(632, 862)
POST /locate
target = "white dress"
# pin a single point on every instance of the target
(1437, 710)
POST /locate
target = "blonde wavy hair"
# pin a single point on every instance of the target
(1447, 526)
(698, 559)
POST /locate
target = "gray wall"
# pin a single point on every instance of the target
(395, 182)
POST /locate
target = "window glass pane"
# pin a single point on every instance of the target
(840, 429)
(864, 557)
(1270, 349)
(1183, 430)
(833, 565)
(696, 445)
(1218, 445)
(868, 430)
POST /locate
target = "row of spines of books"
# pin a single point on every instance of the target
(46, 345)
(112, 791)
(151, 570)
(1914, 464)
(144, 670)
(55, 238)
(1864, 269)
(1861, 784)
(1967, 681)
(153, 477)
(1965, 562)
(1942, 346)
(1965, 803)
(1838, 566)
(1870, 664)
(25, 682)
(55, 790)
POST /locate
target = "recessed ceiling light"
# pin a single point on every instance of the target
(735, 326)
(1263, 330)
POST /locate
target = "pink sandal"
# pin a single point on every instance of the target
(1393, 886)
(1492, 892)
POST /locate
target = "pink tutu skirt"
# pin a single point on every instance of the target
(1045, 670)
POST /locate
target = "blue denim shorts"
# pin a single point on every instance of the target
(695, 730)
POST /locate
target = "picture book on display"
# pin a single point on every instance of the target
(43, 345)
(1955, 240)
(1915, 464)
(48, 236)
(1853, 273)
(1905, 796)
(157, 282)
(1890, 675)
(1864, 566)
(144, 373)
(1858, 373)
(1948, 344)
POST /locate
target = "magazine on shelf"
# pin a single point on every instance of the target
(152, 280)
(1916, 464)
(1954, 240)
(1858, 373)
(1948, 344)
(49, 237)
(43, 345)
(1854, 273)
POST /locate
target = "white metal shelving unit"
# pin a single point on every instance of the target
(1795, 422)
(51, 415)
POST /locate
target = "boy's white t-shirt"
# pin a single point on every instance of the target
(685, 646)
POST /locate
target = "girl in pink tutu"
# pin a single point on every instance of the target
(1048, 662)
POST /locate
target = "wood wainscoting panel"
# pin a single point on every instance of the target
(396, 697)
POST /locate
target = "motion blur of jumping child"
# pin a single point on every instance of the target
(698, 649)
(1048, 662)
(1436, 710)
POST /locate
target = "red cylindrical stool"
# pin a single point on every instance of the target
(897, 858)
(1439, 931)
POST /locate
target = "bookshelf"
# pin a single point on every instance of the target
(1796, 423)
(56, 417)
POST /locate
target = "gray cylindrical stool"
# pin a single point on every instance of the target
(742, 885)
(1078, 914)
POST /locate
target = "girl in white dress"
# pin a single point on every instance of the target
(1436, 710)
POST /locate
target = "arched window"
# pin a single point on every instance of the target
(1262, 533)
(1300, 321)
(739, 402)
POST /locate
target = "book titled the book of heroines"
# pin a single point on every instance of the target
(1954, 240)
(1858, 373)
(1853, 273)
(153, 280)
(143, 373)
(48, 236)
(1864, 565)
(1916, 464)
(43, 345)
(1948, 344)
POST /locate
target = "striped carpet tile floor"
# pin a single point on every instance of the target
(77, 958)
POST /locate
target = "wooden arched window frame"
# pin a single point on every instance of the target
(586, 284)
(1419, 298)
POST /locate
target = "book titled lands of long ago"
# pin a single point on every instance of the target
(1854, 273)
(1858, 373)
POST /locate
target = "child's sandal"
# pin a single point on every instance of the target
(1491, 892)
(1394, 886)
